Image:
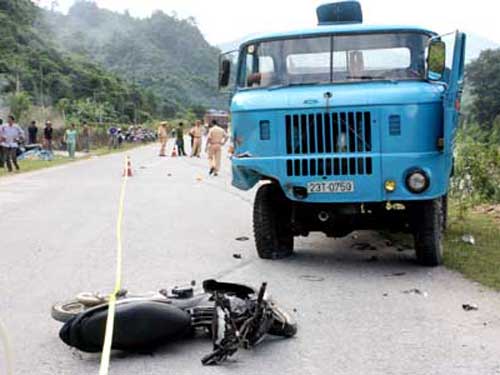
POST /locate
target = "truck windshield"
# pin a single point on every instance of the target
(333, 59)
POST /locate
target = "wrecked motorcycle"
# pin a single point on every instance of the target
(235, 316)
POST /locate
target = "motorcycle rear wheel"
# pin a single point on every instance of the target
(65, 311)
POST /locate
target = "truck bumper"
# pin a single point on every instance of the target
(247, 172)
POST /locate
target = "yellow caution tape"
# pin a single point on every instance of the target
(110, 322)
(7, 350)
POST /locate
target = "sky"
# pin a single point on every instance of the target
(224, 21)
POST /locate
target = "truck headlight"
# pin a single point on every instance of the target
(417, 181)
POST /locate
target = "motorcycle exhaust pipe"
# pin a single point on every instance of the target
(323, 216)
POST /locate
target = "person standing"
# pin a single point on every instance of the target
(47, 136)
(2, 156)
(196, 133)
(70, 139)
(113, 137)
(217, 137)
(86, 137)
(179, 135)
(32, 133)
(11, 134)
(163, 137)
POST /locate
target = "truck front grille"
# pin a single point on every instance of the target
(336, 132)
(337, 166)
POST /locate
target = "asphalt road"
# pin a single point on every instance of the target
(57, 239)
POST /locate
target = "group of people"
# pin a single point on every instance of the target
(216, 138)
(12, 136)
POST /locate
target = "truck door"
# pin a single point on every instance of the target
(454, 92)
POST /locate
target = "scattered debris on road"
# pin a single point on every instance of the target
(243, 238)
(169, 174)
(468, 307)
(416, 291)
(237, 256)
(312, 278)
(395, 274)
(469, 239)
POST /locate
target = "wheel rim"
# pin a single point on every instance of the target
(73, 307)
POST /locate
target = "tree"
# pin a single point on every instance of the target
(19, 104)
(483, 75)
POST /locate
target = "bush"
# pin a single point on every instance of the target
(477, 171)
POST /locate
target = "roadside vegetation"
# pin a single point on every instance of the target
(474, 214)
(479, 261)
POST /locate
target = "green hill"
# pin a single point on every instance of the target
(34, 70)
(162, 53)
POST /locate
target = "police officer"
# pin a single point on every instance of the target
(163, 138)
(196, 133)
(217, 137)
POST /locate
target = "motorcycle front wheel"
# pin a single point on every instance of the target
(283, 325)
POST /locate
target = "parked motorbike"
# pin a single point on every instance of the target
(235, 316)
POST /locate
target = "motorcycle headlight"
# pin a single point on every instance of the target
(417, 181)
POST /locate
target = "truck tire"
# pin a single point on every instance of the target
(428, 232)
(271, 223)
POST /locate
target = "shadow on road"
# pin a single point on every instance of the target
(368, 251)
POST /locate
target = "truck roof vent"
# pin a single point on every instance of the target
(343, 12)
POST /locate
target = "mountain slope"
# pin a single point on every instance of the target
(30, 64)
(162, 53)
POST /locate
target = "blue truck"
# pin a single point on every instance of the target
(346, 127)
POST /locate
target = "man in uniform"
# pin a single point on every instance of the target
(163, 137)
(217, 137)
(196, 133)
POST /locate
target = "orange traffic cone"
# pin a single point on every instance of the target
(174, 152)
(128, 169)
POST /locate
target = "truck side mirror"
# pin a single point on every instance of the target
(436, 60)
(225, 73)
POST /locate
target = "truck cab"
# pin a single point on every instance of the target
(351, 126)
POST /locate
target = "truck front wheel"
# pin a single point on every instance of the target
(272, 223)
(428, 232)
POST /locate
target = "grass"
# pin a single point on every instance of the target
(34, 165)
(479, 262)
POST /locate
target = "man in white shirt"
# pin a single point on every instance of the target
(10, 135)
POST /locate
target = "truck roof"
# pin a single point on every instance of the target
(338, 29)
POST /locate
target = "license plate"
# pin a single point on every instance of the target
(331, 187)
